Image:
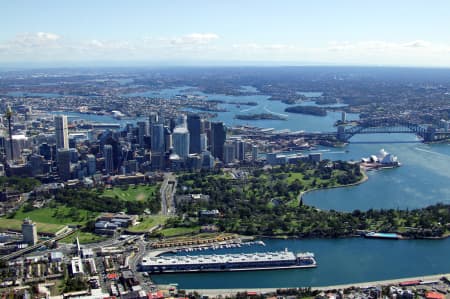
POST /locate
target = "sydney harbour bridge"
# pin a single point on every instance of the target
(427, 133)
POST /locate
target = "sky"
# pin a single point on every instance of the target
(285, 32)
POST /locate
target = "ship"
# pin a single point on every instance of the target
(383, 160)
(375, 235)
(228, 262)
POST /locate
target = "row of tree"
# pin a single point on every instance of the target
(266, 203)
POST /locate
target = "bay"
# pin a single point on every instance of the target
(340, 261)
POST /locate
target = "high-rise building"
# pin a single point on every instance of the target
(218, 136)
(109, 160)
(240, 149)
(29, 232)
(36, 162)
(180, 139)
(153, 118)
(91, 164)
(142, 132)
(203, 142)
(167, 139)
(181, 120)
(61, 131)
(229, 152)
(194, 125)
(63, 163)
(157, 138)
(254, 152)
(18, 143)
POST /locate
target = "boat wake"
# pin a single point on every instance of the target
(276, 113)
(249, 109)
(431, 152)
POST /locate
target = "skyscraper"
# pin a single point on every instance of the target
(109, 161)
(61, 131)
(229, 152)
(91, 164)
(142, 132)
(194, 125)
(180, 139)
(63, 163)
(218, 136)
(157, 138)
(153, 118)
(29, 232)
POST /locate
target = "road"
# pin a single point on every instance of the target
(167, 191)
(34, 247)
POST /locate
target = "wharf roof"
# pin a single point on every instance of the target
(219, 259)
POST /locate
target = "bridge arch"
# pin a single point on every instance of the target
(383, 126)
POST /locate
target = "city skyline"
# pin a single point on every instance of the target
(404, 33)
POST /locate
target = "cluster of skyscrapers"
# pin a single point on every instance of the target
(185, 141)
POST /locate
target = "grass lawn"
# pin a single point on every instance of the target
(16, 225)
(84, 237)
(178, 231)
(57, 215)
(148, 222)
(132, 193)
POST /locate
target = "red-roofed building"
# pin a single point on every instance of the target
(112, 276)
(434, 295)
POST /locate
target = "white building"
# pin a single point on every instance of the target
(61, 131)
(29, 232)
(180, 139)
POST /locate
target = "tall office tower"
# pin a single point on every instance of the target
(153, 118)
(109, 160)
(167, 139)
(194, 126)
(240, 149)
(180, 139)
(203, 142)
(91, 164)
(229, 152)
(15, 146)
(142, 132)
(254, 152)
(61, 131)
(181, 121)
(29, 232)
(218, 136)
(63, 163)
(157, 138)
(36, 161)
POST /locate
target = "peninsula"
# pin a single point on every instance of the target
(310, 110)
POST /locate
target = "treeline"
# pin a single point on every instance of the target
(93, 200)
(311, 110)
(267, 203)
(18, 184)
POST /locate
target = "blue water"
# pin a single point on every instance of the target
(294, 122)
(33, 94)
(420, 181)
(340, 261)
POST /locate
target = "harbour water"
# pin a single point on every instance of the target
(340, 261)
(422, 180)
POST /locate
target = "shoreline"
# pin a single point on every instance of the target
(394, 281)
(362, 180)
